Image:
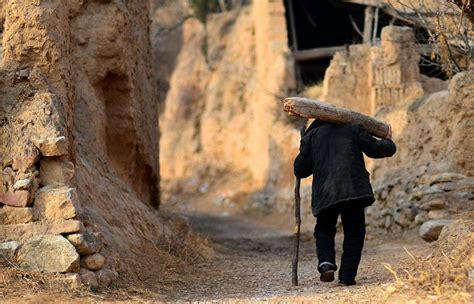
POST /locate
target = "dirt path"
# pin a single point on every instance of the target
(253, 263)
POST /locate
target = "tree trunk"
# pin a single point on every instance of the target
(308, 108)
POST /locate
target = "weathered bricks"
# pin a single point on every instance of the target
(54, 146)
(94, 261)
(86, 243)
(49, 253)
(24, 231)
(15, 215)
(18, 198)
(55, 203)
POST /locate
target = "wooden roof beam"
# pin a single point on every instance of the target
(373, 3)
(328, 52)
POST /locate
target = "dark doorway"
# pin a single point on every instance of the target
(322, 23)
(325, 23)
(331, 23)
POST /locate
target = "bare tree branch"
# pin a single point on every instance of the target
(167, 30)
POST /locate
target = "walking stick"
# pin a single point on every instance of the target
(296, 249)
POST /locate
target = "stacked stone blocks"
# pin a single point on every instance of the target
(39, 219)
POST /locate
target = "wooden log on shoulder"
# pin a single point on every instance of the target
(309, 108)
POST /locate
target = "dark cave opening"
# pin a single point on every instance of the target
(322, 23)
(328, 23)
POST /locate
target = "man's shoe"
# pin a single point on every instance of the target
(327, 271)
(347, 282)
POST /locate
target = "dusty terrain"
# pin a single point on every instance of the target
(79, 116)
(252, 263)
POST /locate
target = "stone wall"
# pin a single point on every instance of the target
(79, 134)
(430, 177)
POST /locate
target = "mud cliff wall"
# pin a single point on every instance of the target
(166, 33)
(431, 176)
(225, 115)
(79, 132)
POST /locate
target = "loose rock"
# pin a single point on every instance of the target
(15, 215)
(49, 253)
(86, 243)
(448, 186)
(55, 203)
(404, 215)
(24, 163)
(431, 230)
(444, 177)
(421, 218)
(438, 214)
(436, 203)
(105, 277)
(9, 249)
(23, 184)
(54, 146)
(16, 199)
(89, 279)
(464, 185)
(420, 193)
(386, 211)
(93, 262)
(25, 231)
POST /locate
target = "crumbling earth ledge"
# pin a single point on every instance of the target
(79, 139)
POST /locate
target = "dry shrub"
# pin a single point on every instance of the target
(314, 91)
(32, 281)
(18, 281)
(442, 276)
(189, 248)
(449, 25)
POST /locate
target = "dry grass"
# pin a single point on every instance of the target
(442, 276)
(314, 91)
(15, 281)
(190, 248)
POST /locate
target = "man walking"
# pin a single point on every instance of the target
(341, 185)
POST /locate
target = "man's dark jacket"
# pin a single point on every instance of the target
(333, 154)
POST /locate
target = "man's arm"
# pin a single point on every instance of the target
(303, 166)
(375, 148)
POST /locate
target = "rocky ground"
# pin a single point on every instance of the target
(253, 263)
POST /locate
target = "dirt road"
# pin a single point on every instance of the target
(253, 264)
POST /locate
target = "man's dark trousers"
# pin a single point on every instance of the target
(353, 222)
